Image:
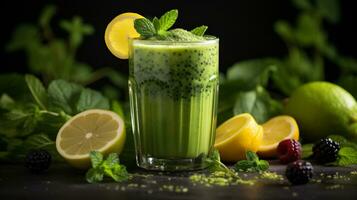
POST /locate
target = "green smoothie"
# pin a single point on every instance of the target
(173, 86)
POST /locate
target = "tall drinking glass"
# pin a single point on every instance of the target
(173, 88)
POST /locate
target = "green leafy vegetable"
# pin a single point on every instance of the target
(35, 121)
(156, 27)
(63, 95)
(159, 27)
(306, 150)
(53, 57)
(258, 103)
(77, 30)
(252, 163)
(89, 99)
(167, 20)
(94, 175)
(109, 167)
(145, 27)
(251, 73)
(96, 159)
(200, 31)
(37, 89)
(347, 156)
(214, 164)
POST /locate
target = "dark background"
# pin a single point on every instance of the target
(245, 27)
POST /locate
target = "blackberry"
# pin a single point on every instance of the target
(299, 172)
(289, 150)
(38, 161)
(325, 150)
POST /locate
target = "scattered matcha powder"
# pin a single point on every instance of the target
(334, 187)
(218, 178)
(271, 176)
(174, 188)
(295, 194)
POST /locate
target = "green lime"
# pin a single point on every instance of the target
(321, 109)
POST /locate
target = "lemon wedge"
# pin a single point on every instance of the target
(95, 129)
(118, 32)
(276, 130)
(236, 136)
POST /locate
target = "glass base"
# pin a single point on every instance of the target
(160, 164)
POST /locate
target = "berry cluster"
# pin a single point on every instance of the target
(299, 171)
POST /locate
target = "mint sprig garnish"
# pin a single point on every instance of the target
(167, 20)
(252, 164)
(200, 31)
(214, 164)
(145, 27)
(160, 26)
(109, 167)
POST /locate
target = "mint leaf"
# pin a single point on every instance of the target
(117, 108)
(347, 156)
(94, 175)
(37, 89)
(47, 14)
(6, 102)
(168, 20)
(200, 31)
(258, 103)
(243, 165)
(214, 164)
(215, 156)
(263, 165)
(109, 167)
(306, 150)
(252, 164)
(96, 158)
(119, 173)
(145, 27)
(20, 122)
(251, 73)
(251, 156)
(156, 23)
(89, 99)
(63, 96)
(77, 30)
(39, 141)
(15, 86)
(111, 160)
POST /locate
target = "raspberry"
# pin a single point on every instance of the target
(288, 151)
(38, 161)
(325, 150)
(299, 172)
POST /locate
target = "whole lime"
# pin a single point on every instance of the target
(321, 109)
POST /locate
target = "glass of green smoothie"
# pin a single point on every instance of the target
(173, 88)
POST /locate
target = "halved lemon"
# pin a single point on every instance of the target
(236, 136)
(118, 31)
(276, 130)
(95, 129)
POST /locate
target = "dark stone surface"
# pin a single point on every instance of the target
(62, 182)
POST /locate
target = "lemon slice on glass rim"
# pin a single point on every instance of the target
(91, 130)
(118, 32)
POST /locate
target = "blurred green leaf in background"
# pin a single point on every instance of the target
(261, 85)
